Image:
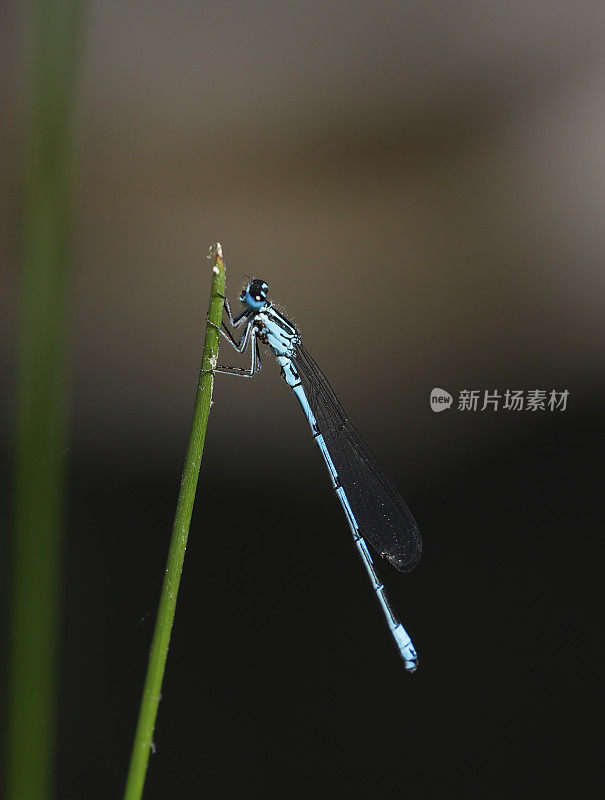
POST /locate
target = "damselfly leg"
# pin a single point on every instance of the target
(240, 346)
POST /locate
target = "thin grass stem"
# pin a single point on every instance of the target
(143, 741)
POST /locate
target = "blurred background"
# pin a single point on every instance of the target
(422, 185)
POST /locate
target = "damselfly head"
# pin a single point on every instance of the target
(255, 293)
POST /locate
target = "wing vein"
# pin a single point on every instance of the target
(383, 517)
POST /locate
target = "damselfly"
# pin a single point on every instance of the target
(374, 509)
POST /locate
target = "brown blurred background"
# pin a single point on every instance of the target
(422, 186)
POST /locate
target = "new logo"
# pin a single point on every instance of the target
(440, 399)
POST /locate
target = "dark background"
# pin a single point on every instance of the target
(422, 187)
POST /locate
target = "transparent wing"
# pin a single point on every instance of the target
(383, 517)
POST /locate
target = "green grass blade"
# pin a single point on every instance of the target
(52, 65)
(176, 554)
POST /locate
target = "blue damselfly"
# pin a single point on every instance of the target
(374, 509)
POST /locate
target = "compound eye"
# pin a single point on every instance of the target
(258, 290)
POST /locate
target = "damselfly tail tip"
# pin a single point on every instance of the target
(407, 651)
(410, 659)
